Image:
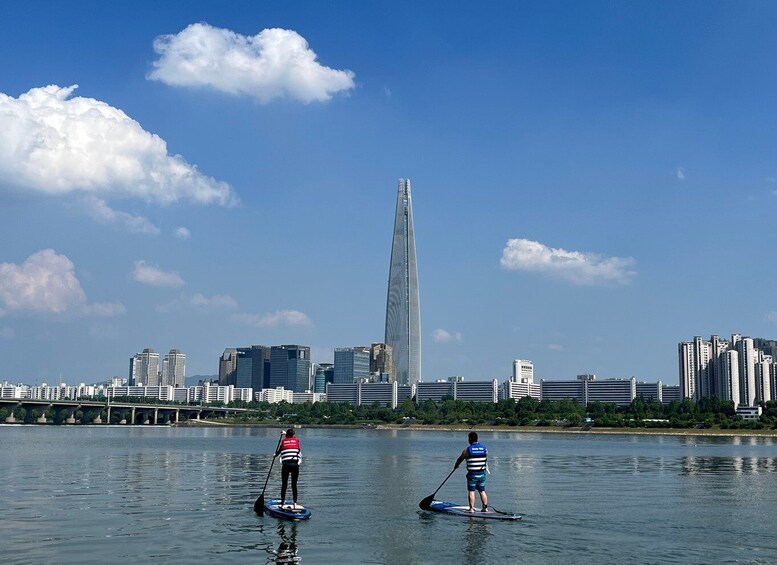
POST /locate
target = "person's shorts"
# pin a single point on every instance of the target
(476, 482)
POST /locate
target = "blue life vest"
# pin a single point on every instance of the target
(478, 454)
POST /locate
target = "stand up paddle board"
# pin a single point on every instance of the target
(456, 510)
(274, 508)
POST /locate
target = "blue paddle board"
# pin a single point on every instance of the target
(274, 508)
(456, 510)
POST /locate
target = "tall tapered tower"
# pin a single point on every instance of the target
(403, 311)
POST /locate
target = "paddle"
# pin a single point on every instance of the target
(427, 502)
(259, 504)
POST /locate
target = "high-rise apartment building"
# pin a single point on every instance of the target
(351, 364)
(736, 370)
(403, 311)
(174, 369)
(144, 368)
(290, 367)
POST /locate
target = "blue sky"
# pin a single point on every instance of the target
(592, 183)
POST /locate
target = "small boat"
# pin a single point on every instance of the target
(457, 510)
(285, 511)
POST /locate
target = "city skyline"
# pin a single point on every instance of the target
(561, 154)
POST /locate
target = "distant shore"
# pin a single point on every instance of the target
(510, 429)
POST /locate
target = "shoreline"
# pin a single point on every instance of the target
(509, 429)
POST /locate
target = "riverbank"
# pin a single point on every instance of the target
(509, 429)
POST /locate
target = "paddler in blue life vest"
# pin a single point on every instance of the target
(291, 457)
(476, 456)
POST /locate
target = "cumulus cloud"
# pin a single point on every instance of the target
(182, 233)
(680, 173)
(47, 282)
(198, 301)
(56, 145)
(154, 276)
(273, 319)
(272, 64)
(104, 214)
(584, 269)
(444, 336)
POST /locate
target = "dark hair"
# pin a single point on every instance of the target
(290, 432)
(473, 437)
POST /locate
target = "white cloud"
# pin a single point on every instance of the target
(104, 214)
(182, 233)
(57, 145)
(7, 333)
(573, 266)
(444, 336)
(274, 63)
(154, 276)
(680, 173)
(197, 301)
(273, 319)
(46, 282)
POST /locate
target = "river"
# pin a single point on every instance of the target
(139, 494)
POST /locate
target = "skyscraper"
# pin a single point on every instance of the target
(174, 369)
(290, 367)
(144, 368)
(403, 311)
(351, 364)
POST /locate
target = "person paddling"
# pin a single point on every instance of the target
(290, 460)
(476, 456)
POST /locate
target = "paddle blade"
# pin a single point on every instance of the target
(259, 505)
(426, 502)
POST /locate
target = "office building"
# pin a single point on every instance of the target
(403, 311)
(290, 367)
(523, 371)
(324, 373)
(382, 362)
(616, 391)
(228, 367)
(144, 368)
(650, 391)
(174, 369)
(351, 364)
(253, 367)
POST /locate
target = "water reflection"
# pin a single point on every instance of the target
(287, 547)
(727, 465)
(476, 541)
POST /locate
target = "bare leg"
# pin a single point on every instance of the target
(483, 499)
(471, 496)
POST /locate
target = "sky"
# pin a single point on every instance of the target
(592, 182)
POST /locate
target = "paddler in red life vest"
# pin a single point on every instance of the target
(290, 460)
(476, 456)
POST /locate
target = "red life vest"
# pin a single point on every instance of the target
(290, 450)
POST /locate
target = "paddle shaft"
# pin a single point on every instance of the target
(428, 500)
(260, 500)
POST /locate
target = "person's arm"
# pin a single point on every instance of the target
(461, 458)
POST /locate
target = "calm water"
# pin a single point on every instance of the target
(156, 494)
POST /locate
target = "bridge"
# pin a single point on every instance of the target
(108, 412)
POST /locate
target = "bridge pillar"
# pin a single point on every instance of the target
(97, 420)
(10, 419)
(156, 415)
(70, 419)
(176, 416)
(41, 419)
(133, 415)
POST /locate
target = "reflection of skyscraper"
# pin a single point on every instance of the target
(403, 311)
